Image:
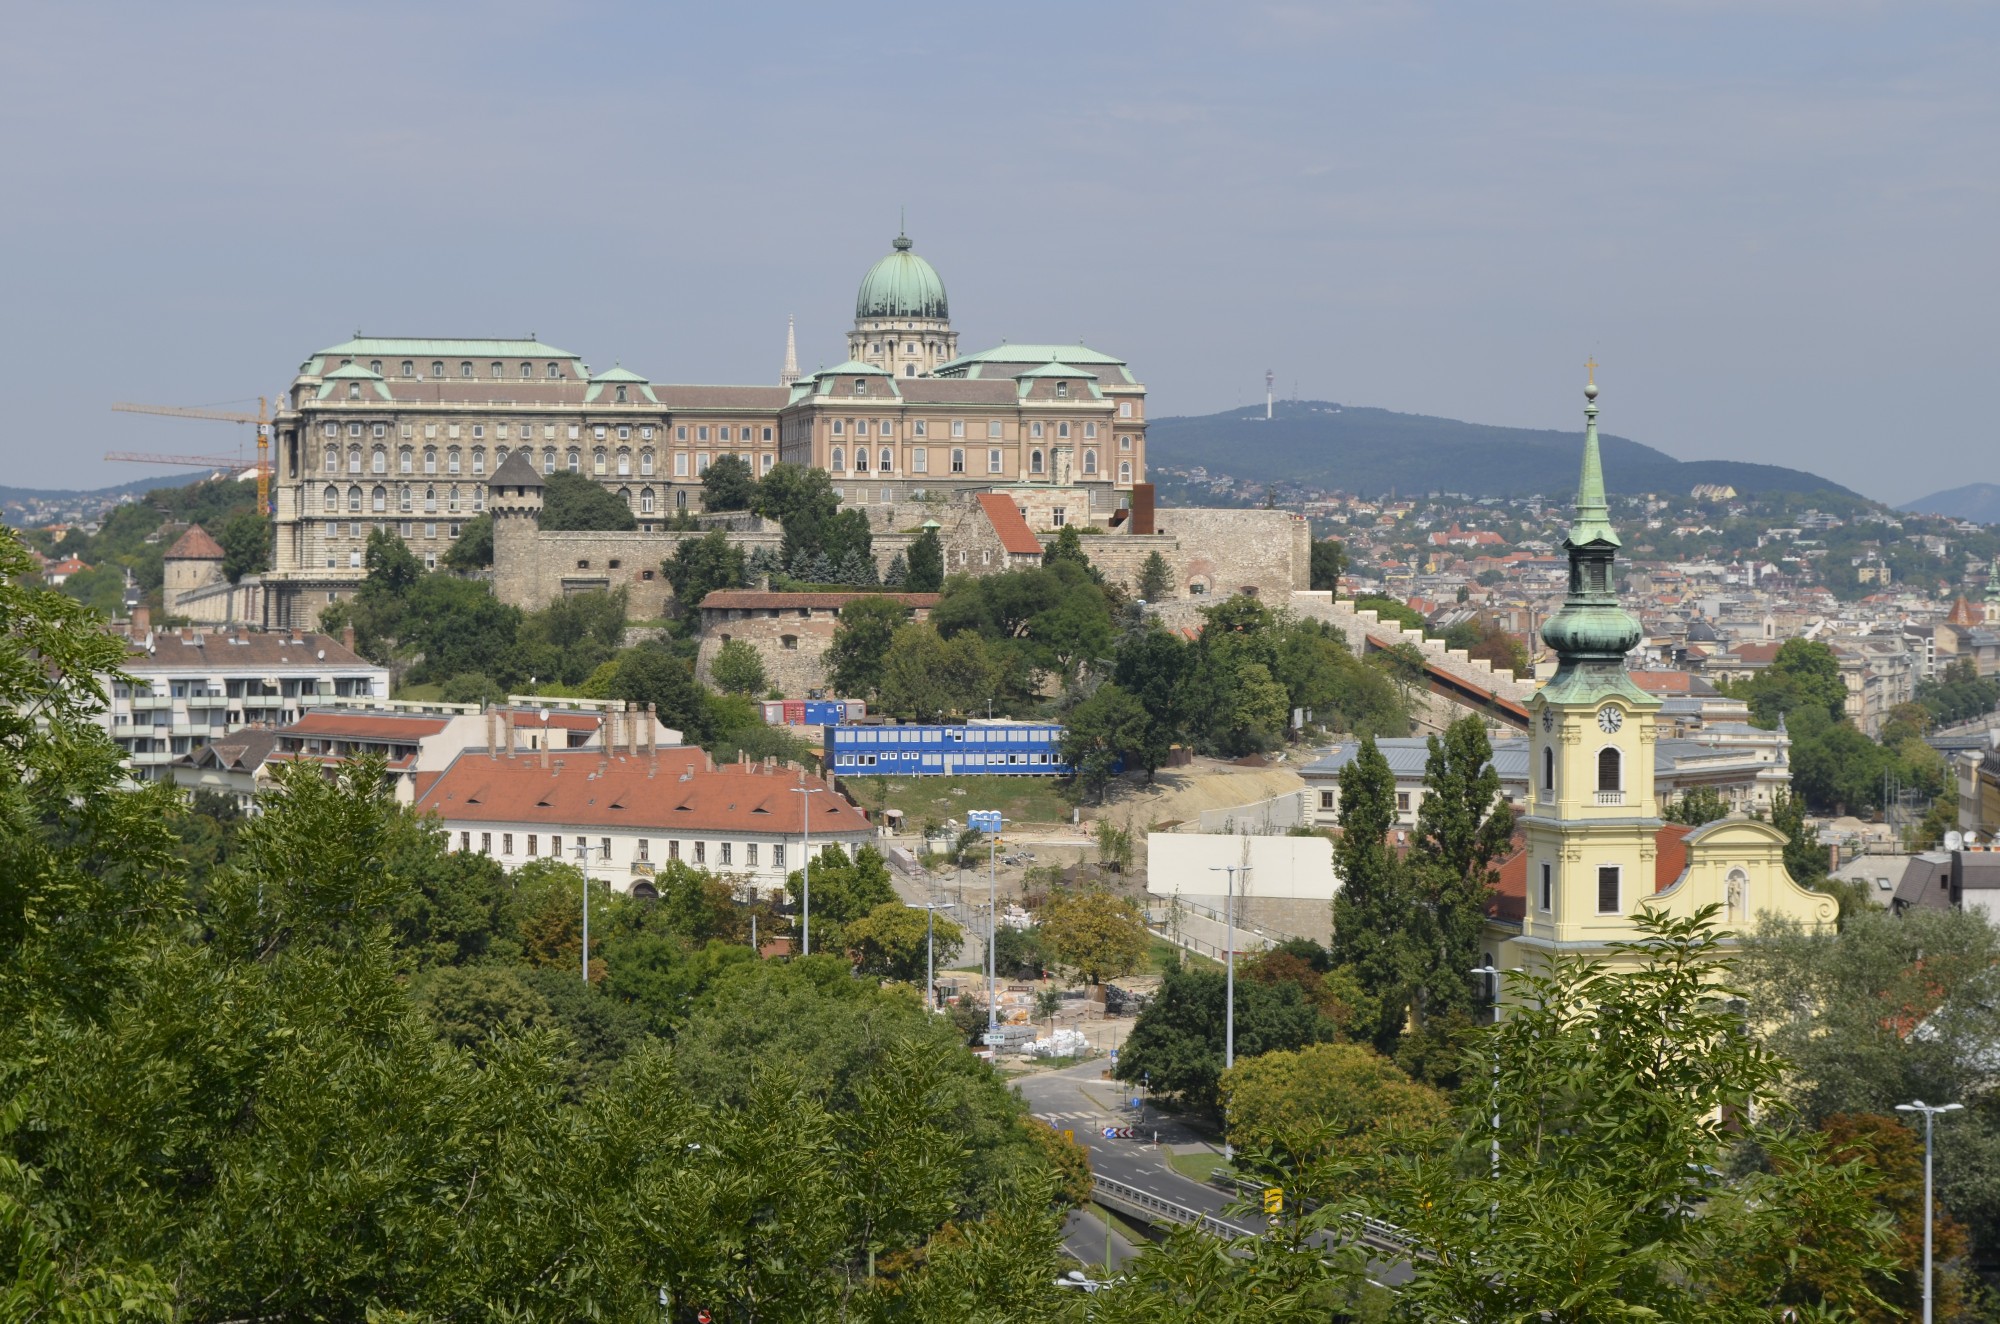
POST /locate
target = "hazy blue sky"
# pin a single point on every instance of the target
(1773, 223)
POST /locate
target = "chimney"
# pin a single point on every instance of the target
(347, 637)
(545, 753)
(507, 727)
(632, 728)
(652, 731)
(142, 619)
(492, 735)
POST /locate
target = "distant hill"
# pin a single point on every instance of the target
(1370, 451)
(15, 502)
(1978, 502)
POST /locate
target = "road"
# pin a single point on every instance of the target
(1079, 1099)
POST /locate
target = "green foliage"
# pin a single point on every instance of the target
(1371, 939)
(1325, 1100)
(1019, 953)
(1052, 621)
(1481, 637)
(1958, 694)
(728, 484)
(1391, 609)
(1156, 578)
(1099, 732)
(1177, 1041)
(1329, 563)
(1463, 828)
(1155, 666)
(699, 566)
(893, 941)
(473, 549)
(843, 890)
(738, 669)
(246, 545)
(1096, 935)
(854, 658)
(572, 501)
(1233, 685)
(1804, 674)
(926, 564)
(1703, 804)
(472, 687)
(651, 673)
(1619, 1097)
(926, 678)
(568, 639)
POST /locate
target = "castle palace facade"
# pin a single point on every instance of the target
(404, 435)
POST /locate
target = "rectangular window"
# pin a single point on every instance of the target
(1548, 887)
(640, 851)
(555, 847)
(506, 843)
(673, 849)
(778, 856)
(958, 427)
(486, 843)
(1402, 802)
(681, 432)
(604, 847)
(465, 841)
(1090, 431)
(1326, 800)
(750, 854)
(993, 462)
(701, 852)
(726, 851)
(701, 434)
(992, 427)
(680, 464)
(534, 844)
(920, 462)
(917, 428)
(1607, 890)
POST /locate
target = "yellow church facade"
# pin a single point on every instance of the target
(1596, 854)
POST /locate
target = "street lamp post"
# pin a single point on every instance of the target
(806, 867)
(1489, 971)
(583, 867)
(1930, 1112)
(989, 822)
(1229, 996)
(930, 951)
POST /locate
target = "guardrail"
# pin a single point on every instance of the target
(1373, 1230)
(1146, 1203)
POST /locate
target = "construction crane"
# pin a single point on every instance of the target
(263, 424)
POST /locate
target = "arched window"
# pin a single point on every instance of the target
(620, 393)
(1610, 769)
(1090, 462)
(496, 371)
(646, 461)
(375, 366)
(378, 500)
(465, 368)
(430, 459)
(597, 460)
(354, 459)
(1034, 462)
(451, 460)
(1062, 429)
(681, 498)
(333, 459)
(452, 498)
(409, 368)
(331, 498)
(839, 459)
(555, 370)
(1124, 471)
(625, 495)
(378, 461)
(909, 369)
(437, 367)
(404, 459)
(646, 501)
(548, 459)
(430, 500)
(624, 463)
(575, 460)
(479, 459)
(861, 459)
(888, 460)
(1548, 767)
(527, 371)
(354, 500)
(403, 498)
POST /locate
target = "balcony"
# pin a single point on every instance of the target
(1611, 797)
(195, 701)
(263, 701)
(152, 703)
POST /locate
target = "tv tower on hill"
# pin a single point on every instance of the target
(1270, 380)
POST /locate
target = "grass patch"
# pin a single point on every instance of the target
(421, 693)
(1019, 799)
(1199, 1166)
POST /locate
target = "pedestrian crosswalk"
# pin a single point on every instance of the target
(1068, 1117)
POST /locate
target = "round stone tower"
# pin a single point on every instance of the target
(514, 499)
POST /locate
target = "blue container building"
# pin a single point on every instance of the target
(1018, 749)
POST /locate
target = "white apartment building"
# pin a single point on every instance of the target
(632, 812)
(191, 686)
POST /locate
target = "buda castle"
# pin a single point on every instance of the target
(405, 434)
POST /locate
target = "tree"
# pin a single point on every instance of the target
(1067, 547)
(1695, 806)
(728, 484)
(246, 545)
(1371, 911)
(1958, 693)
(1329, 563)
(392, 568)
(1463, 827)
(1618, 1097)
(1099, 732)
(801, 500)
(854, 658)
(898, 574)
(571, 501)
(1155, 666)
(926, 563)
(1177, 1042)
(1804, 674)
(1156, 578)
(652, 674)
(473, 549)
(700, 566)
(925, 677)
(738, 669)
(1326, 1099)
(843, 891)
(893, 941)
(1094, 934)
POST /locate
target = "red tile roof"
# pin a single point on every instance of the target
(568, 721)
(195, 545)
(674, 792)
(757, 599)
(1663, 682)
(366, 726)
(1756, 654)
(1005, 517)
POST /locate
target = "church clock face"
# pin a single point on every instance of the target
(1609, 719)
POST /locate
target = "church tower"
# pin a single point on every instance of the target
(1592, 823)
(1596, 854)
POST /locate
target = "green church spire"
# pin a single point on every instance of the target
(1593, 515)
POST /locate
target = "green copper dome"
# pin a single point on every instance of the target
(902, 285)
(1593, 632)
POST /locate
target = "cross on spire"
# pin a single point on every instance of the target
(1590, 366)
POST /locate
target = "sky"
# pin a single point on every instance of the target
(1774, 223)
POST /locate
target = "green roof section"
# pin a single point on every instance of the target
(854, 368)
(1593, 514)
(353, 371)
(1005, 353)
(902, 285)
(396, 345)
(617, 373)
(1055, 370)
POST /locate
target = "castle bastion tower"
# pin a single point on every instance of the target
(902, 320)
(1597, 854)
